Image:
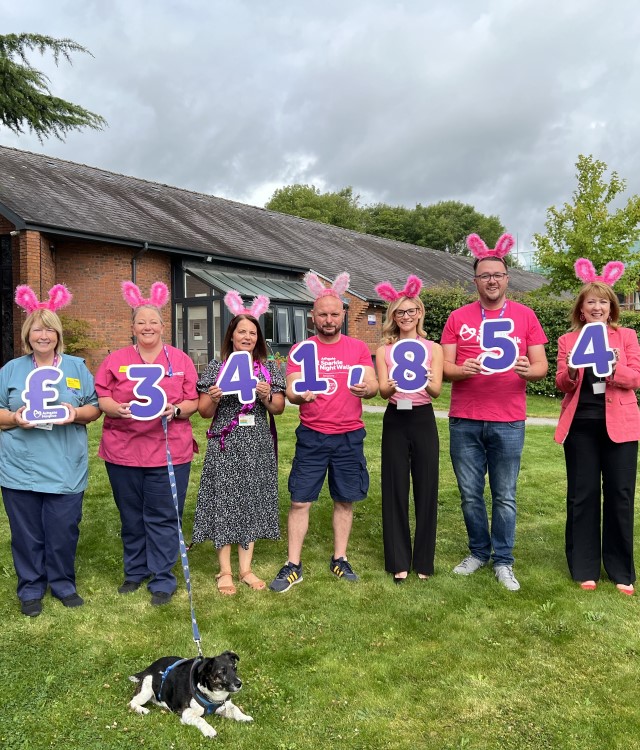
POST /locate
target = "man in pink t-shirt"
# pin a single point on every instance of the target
(329, 439)
(486, 418)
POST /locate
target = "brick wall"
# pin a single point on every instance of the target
(359, 326)
(92, 271)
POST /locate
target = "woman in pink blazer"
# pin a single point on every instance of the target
(599, 428)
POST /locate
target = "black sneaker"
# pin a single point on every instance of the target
(31, 607)
(73, 600)
(129, 587)
(342, 569)
(158, 598)
(289, 575)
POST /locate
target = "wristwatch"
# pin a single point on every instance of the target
(177, 411)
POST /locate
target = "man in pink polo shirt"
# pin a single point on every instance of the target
(488, 409)
(329, 438)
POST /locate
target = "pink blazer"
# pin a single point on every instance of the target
(621, 406)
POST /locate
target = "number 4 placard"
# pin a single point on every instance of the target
(592, 350)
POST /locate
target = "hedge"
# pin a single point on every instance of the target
(553, 315)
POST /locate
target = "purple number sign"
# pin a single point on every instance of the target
(355, 375)
(152, 400)
(306, 355)
(409, 368)
(39, 396)
(237, 377)
(592, 350)
(500, 350)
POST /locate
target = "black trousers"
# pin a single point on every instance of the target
(410, 451)
(593, 462)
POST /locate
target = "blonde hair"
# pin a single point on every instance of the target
(47, 319)
(390, 330)
(602, 290)
(155, 309)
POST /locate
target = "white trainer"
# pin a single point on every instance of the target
(469, 565)
(504, 574)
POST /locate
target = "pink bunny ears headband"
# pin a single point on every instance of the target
(478, 247)
(132, 296)
(318, 289)
(234, 302)
(610, 273)
(59, 296)
(390, 294)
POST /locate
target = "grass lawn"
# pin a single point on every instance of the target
(448, 663)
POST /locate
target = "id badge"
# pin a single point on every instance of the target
(44, 426)
(246, 420)
(599, 387)
(404, 404)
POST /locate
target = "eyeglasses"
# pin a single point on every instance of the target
(489, 276)
(411, 311)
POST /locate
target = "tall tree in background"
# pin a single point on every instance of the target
(441, 226)
(588, 228)
(306, 201)
(25, 98)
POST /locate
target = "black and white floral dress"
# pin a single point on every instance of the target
(238, 495)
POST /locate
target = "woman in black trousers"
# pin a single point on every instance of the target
(410, 446)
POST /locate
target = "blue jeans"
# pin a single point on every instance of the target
(476, 447)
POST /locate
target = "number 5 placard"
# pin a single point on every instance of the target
(500, 351)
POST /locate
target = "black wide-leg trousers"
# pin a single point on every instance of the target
(410, 452)
(597, 466)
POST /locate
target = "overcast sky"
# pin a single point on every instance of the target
(486, 102)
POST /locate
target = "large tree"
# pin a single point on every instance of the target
(25, 98)
(340, 209)
(589, 228)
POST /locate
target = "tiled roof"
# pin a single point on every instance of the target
(43, 192)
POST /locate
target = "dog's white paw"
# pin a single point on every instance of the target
(138, 708)
(208, 730)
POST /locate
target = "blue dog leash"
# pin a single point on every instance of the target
(183, 548)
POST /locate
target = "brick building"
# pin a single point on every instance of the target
(62, 222)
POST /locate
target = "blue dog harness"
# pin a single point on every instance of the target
(208, 706)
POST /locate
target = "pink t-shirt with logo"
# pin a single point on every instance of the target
(337, 411)
(133, 442)
(500, 396)
(420, 398)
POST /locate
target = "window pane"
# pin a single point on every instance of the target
(284, 335)
(216, 333)
(268, 325)
(196, 288)
(299, 327)
(197, 336)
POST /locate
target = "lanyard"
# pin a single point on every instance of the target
(484, 313)
(166, 354)
(56, 361)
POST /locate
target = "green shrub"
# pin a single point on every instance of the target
(76, 335)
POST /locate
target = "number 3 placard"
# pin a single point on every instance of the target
(152, 399)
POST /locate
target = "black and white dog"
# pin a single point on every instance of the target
(191, 688)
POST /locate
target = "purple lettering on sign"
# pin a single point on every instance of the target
(306, 355)
(151, 398)
(592, 350)
(409, 368)
(500, 351)
(236, 377)
(40, 396)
